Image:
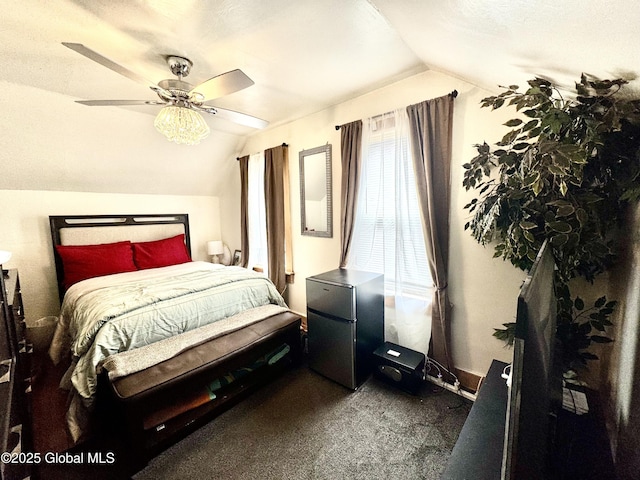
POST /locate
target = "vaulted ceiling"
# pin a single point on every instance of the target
(303, 55)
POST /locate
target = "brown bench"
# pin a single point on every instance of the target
(163, 403)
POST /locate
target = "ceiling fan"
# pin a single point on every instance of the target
(177, 92)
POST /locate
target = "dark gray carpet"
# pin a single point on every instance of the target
(304, 426)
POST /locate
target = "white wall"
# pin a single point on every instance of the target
(483, 289)
(24, 231)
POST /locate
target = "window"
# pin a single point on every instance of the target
(388, 236)
(257, 225)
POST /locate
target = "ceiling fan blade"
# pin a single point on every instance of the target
(104, 61)
(222, 85)
(236, 117)
(107, 103)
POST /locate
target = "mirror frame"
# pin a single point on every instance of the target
(328, 233)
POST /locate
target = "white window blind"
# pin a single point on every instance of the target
(388, 236)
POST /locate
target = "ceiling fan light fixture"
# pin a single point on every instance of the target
(181, 125)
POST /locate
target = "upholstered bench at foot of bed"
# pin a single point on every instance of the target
(144, 397)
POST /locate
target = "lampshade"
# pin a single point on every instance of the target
(181, 125)
(4, 256)
(215, 247)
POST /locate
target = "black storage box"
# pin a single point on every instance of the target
(399, 366)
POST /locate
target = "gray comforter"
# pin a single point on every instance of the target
(116, 313)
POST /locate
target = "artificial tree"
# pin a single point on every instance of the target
(565, 173)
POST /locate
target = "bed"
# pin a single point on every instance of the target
(158, 343)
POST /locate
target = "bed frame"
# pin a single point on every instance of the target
(126, 404)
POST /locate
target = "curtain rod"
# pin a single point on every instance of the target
(284, 145)
(454, 94)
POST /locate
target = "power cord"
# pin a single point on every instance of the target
(431, 362)
(507, 376)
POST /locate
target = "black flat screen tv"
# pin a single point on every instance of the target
(536, 379)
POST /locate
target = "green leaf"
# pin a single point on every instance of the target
(561, 160)
(513, 123)
(579, 158)
(559, 203)
(573, 240)
(560, 227)
(600, 302)
(506, 334)
(537, 187)
(559, 240)
(530, 179)
(484, 148)
(563, 188)
(556, 170)
(582, 216)
(509, 137)
(578, 303)
(584, 328)
(600, 339)
(509, 158)
(527, 225)
(565, 211)
(534, 132)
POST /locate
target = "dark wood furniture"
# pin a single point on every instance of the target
(478, 452)
(126, 404)
(140, 398)
(15, 382)
(581, 450)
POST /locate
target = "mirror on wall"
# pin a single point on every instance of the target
(315, 192)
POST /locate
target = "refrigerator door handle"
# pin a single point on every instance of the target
(332, 317)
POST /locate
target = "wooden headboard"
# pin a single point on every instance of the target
(95, 229)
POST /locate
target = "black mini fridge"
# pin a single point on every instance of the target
(345, 322)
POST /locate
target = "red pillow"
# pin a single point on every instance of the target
(80, 262)
(160, 253)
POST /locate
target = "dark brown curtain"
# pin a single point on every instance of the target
(276, 187)
(351, 153)
(244, 212)
(431, 125)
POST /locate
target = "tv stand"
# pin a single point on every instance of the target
(478, 452)
(582, 449)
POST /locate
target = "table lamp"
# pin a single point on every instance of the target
(215, 248)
